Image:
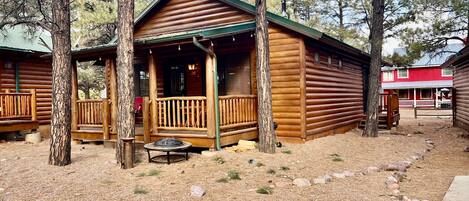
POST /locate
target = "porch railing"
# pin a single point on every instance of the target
(237, 111)
(182, 113)
(18, 106)
(90, 113)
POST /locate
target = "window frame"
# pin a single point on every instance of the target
(407, 74)
(443, 72)
(431, 94)
(391, 77)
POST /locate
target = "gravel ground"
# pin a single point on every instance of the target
(93, 175)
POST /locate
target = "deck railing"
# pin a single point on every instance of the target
(182, 113)
(237, 110)
(90, 113)
(18, 106)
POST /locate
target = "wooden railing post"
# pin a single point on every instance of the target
(390, 112)
(210, 94)
(105, 114)
(153, 91)
(33, 105)
(146, 119)
(74, 98)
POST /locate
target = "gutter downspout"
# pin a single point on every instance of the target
(215, 90)
(17, 77)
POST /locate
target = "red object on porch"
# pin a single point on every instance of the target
(138, 103)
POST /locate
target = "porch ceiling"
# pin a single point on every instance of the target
(208, 33)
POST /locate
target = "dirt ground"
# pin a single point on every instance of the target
(93, 175)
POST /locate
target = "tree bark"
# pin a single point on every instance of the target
(60, 147)
(125, 76)
(267, 136)
(376, 39)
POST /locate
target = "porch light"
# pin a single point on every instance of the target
(191, 67)
(234, 39)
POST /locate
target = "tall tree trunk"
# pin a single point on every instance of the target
(372, 114)
(264, 84)
(125, 76)
(60, 148)
(341, 20)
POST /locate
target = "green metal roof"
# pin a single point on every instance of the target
(17, 39)
(204, 33)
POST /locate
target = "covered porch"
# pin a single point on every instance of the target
(176, 91)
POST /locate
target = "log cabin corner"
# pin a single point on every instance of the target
(318, 82)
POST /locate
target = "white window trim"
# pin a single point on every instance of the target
(431, 94)
(399, 77)
(443, 73)
(392, 76)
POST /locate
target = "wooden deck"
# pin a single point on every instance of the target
(185, 118)
(18, 111)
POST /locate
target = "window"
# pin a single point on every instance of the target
(403, 94)
(446, 72)
(403, 73)
(388, 76)
(425, 93)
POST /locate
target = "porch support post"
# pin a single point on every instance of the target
(153, 91)
(111, 65)
(74, 107)
(210, 94)
(415, 97)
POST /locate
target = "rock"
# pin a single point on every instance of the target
(338, 175)
(252, 162)
(2, 189)
(372, 169)
(3, 159)
(17, 158)
(405, 198)
(396, 192)
(322, 180)
(393, 186)
(348, 173)
(34, 138)
(247, 145)
(197, 191)
(301, 182)
(417, 156)
(208, 154)
(466, 149)
(391, 180)
(399, 176)
(282, 184)
(398, 166)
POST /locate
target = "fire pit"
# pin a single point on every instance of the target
(167, 145)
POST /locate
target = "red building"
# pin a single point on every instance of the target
(423, 84)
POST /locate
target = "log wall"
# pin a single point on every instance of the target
(461, 88)
(34, 74)
(285, 74)
(334, 91)
(183, 15)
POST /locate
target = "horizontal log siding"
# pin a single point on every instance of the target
(334, 93)
(461, 85)
(34, 74)
(184, 15)
(285, 74)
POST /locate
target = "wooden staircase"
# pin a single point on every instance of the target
(387, 120)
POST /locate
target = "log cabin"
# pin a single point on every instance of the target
(318, 82)
(460, 64)
(25, 80)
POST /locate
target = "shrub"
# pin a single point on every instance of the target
(284, 168)
(140, 190)
(218, 159)
(153, 172)
(264, 190)
(233, 175)
(141, 174)
(287, 151)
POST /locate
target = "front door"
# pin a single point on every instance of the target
(175, 81)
